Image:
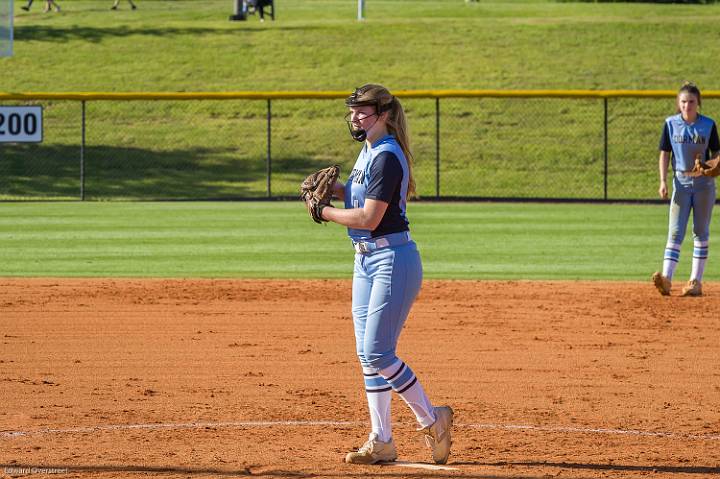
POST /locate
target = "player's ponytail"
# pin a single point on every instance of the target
(384, 101)
(397, 126)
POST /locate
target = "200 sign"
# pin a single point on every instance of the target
(16, 124)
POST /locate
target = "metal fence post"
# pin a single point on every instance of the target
(269, 155)
(437, 147)
(82, 153)
(605, 148)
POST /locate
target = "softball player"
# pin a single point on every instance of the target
(685, 136)
(387, 271)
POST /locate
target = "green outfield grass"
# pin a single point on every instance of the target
(277, 240)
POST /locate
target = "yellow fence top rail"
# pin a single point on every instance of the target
(282, 95)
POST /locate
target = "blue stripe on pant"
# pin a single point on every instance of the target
(672, 253)
(385, 285)
(402, 378)
(374, 383)
(698, 255)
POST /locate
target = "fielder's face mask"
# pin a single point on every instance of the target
(355, 100)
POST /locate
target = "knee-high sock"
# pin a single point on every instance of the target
(700, 253)
(379, 396)
(670, 260)
(404, 382)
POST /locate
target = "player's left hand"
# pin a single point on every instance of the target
(317, 191)
(698, 168)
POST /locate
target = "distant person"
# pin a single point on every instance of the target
(48, 6)
(117, 2)
(687, 135)
(260, 7)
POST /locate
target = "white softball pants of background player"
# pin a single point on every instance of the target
(385, 285)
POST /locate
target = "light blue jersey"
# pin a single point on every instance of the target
(381, 172)
(687, 140)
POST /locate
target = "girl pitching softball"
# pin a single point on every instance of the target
(387, 271)
(687, 135)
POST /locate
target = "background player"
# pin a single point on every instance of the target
(387, 273)
(686, 135)
(49, 4)
(116, 3)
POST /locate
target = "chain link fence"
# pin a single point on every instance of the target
(484, 147)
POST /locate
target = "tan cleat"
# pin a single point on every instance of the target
(692, 288)
(438, 436)
(662, 283)
(373, 451)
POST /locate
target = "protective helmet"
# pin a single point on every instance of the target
(366, 95)
(363, 97)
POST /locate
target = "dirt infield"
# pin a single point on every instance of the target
(222, 378)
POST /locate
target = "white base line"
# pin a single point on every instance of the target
(189, 425)
(565, 429)
(266, 424)
(420, 465)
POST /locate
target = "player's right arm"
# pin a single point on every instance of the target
(664, 161)
(366, 218)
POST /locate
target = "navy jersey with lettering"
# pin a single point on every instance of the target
(380, 173)
(685, 140)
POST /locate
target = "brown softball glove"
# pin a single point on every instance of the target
(698, 168)
(317, 190)
(711, 168)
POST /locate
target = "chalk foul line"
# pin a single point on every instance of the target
(171, 426)
(420, 465)
(268, 424)
(583, 430)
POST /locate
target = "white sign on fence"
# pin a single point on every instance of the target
(21, 124)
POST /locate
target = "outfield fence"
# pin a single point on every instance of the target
(478, 144)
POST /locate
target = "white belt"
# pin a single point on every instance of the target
(393, 239)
